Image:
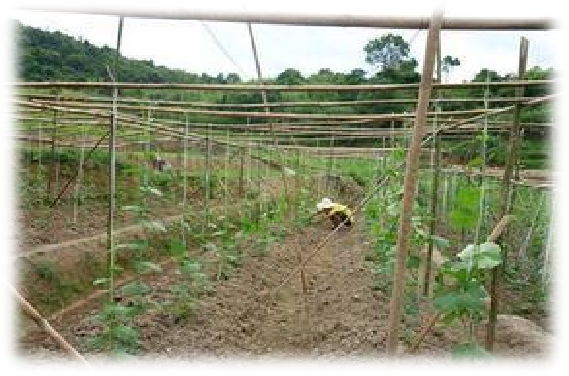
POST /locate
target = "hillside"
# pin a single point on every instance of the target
(53, 56)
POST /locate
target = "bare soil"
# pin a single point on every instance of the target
(338, 315)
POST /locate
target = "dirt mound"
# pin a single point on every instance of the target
(519, 336)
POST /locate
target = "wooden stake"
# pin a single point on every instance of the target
(506, 186)
(410, 184)
(33, 314)
(267, 111)
(436, 159)
(112, 171)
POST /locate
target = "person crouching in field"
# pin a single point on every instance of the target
(337, 213)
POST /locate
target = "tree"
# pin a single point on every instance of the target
(290, 76)
(387, 52)
(356, 77)
(233, 78)
(448, 63)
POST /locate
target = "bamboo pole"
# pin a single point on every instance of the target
(207, 191)
(41, 322)
(346, 20)
(410, 184)
(482, 212)
(533, 102)
(267, 111)
(51, 173)
(435, 163)
(353, 118)
(256, 114)
(123, 100)
(506, 184)
(112, 170)
(79, 178)
(250, 87)
(184, 229)
(434, 212)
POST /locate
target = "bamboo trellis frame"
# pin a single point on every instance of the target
(338, 21)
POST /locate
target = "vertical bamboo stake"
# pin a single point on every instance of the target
(482, 181)
(112, 170)
(267, 110)
(225, 178)
(185, 186)
(434, 212)
(329, 173)
(51, 173)
(319, 181)
(79, 174)
(392, 134)
(207, 179)
(410, 183)
(147, 151)
(40, 135)
(545, 273)
(506, 184)
(435, 162)
(185, 165)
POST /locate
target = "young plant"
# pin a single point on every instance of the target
(464, 297)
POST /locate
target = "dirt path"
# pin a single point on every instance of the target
(341, 314)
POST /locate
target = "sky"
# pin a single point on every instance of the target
(187, 45)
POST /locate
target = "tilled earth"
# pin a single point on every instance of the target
(336, 314)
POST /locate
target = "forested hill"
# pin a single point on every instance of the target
(54, 56)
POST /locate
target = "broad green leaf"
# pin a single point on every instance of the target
(134, 208)
(210, 247)
(125, 333)
(476, 162)
(147, 267)
(155, 226)
(176, 248)
(135, 288)
(460, 301)
(100, 281)
(489, 256)
(152, 190)
(189, 267)
(112, 310)
(440, 242)
(413, 262)
(468, 252)
(136, 245)
(289, 171)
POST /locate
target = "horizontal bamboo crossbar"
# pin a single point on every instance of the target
(533, 102)
(269, 104)
(252, 114)
(394, 22)
(258, 87)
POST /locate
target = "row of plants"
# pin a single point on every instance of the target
(228, 235)
(467, 215)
